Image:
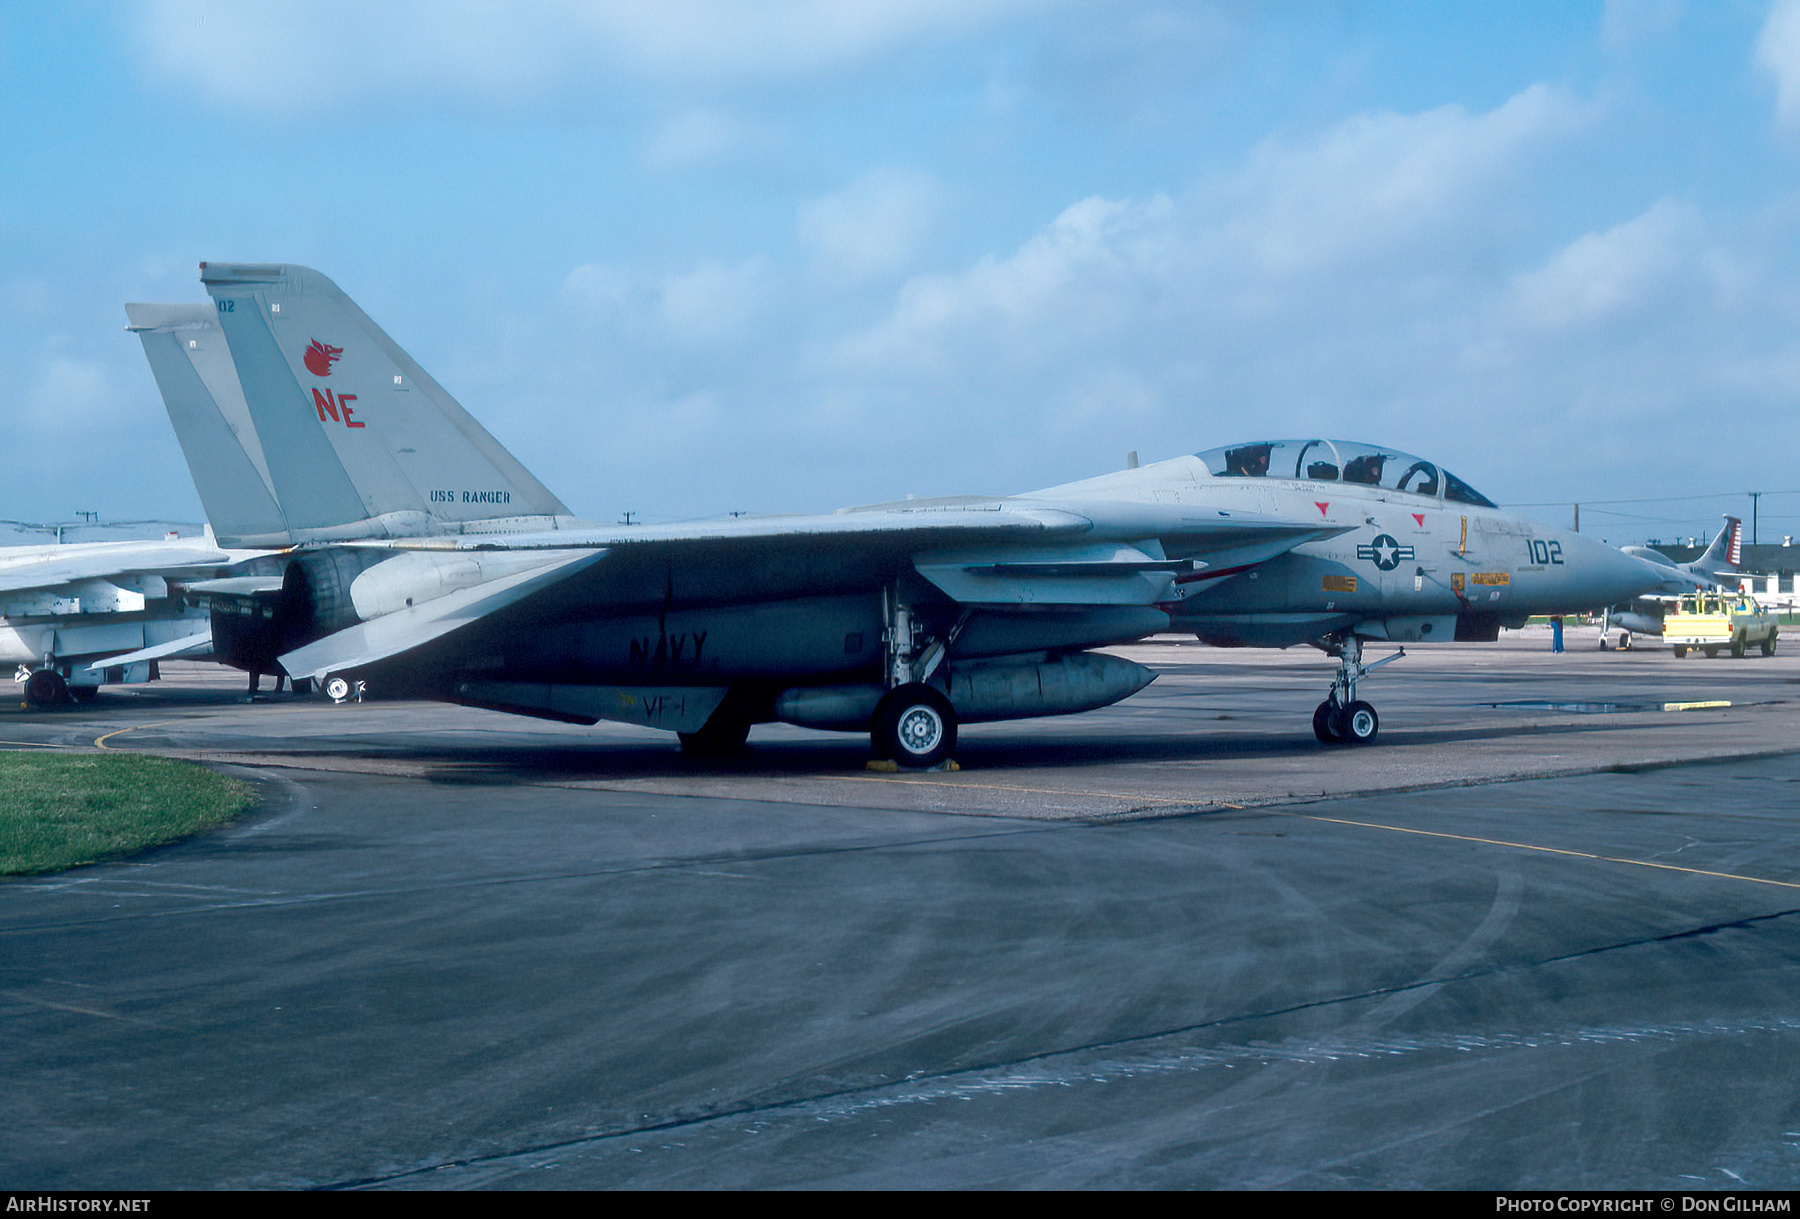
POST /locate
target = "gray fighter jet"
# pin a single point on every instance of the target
(1718, 567)
(76, 615)
(425, 561)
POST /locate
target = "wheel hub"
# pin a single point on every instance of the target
(920, 730)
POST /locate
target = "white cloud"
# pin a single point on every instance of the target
(1627, 23)
(328, 53)
(710, 304)
(1778, 53)
(1365, 283)
(1379, 179)
(1068, 288)
(716, 302)
(872, 227)
(67, 397)
(773, 38)
(1112, 61)
(1302, 222)
(1619, 273)
(704, 136)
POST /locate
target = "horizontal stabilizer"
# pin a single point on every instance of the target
(368, 642)
(191, 645)
(25, 567)
(235, 586)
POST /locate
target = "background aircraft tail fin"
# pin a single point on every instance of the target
(200, 390)
(359, 440)
(1726, 553)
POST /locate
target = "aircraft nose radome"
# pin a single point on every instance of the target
(1613, 575)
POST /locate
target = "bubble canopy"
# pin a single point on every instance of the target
(1341, 461)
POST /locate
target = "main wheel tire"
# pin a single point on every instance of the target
(1359, 724)
(1768, 645)
(46, 688)
(1680, 652)
(1322, 728)
(719, 735)
(337, 689)
(914, 725)
(1712, 653)
(1737, 649)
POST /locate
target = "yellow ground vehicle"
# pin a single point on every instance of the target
(1716, 619)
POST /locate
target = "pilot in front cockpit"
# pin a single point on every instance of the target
(1365, 468)
(1251, 461)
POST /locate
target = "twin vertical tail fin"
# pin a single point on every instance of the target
(348, 436)
(199, 385)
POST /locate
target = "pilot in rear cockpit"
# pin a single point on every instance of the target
(1251, 461)
(1365, 469)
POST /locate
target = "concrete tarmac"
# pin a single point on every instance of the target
(1542, 936)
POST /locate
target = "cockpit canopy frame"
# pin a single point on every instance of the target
(1345, 461)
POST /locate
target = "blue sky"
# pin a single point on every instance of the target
(693, 257)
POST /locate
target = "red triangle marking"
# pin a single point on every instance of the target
(1419, 517)
(1321, 507)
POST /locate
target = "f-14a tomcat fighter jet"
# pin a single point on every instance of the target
(422, 560)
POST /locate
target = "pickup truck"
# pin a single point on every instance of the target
(1717, 619)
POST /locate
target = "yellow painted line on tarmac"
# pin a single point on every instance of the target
(1717, 702)
(1529, 846)
(1007, 787)
(100, 742)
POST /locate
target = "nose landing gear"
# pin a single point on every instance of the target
(1344, 719)
(1353, 724)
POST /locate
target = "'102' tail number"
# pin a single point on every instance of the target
(1545, 551)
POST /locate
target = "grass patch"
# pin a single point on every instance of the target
(59, 810)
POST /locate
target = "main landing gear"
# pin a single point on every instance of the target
(914, 723)
(45, 687)
(719, 736)
(1344, 719)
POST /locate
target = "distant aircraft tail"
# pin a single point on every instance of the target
(356, 439)
(199, 385)
(1725, 556)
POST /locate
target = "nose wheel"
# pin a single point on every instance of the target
(1356, 724)
(1344, 719)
